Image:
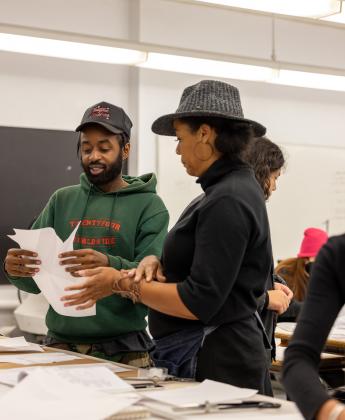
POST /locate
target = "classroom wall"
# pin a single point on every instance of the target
(53, 93)
(109, 18)
(41, 92)
(293, 116)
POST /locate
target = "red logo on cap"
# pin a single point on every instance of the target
(100, 112)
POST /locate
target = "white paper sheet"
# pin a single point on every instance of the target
(11, 377)
(18, 344)
(44, 394)
(95, 377)
(36, 358)
(287, 326)
(288, 411)
(212, 391)
(52, 277)
(336, 333)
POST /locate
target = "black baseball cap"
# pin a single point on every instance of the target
(109, 116)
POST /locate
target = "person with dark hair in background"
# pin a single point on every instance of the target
(324, 300)
(296, 271)
(121, 221)
(217, 257)
(267, 160)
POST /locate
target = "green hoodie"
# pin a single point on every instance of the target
(126, 225)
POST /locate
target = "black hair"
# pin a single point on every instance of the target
(232, 136)
(265, 157)
(122, 138)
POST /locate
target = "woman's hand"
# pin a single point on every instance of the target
(150, 268)
(279, 299)
(98, 283)
(82, 259)
(285, 289)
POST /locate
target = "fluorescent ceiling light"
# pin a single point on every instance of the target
(306, 8)
(168, 62)
(227, 70)
(69, 50)
(204, 67)
(310, 80)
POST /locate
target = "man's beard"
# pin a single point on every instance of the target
(108, 175)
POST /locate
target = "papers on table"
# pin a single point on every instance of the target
(63, 392)
(286, 326)
(44, 393)
(336, 333)
(280, 351)
(36, 358)
(52, 277)
(338, 330)
(92, 378)
(95, 377)
(18, 344)
(167, 412)
(212, 391)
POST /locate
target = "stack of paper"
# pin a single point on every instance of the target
(44, 394)
(18, 344)
(95, 377)
(286, 326)
(162, 403)
(90, 375)
(212, 391)
(36, 358)
(336, 333)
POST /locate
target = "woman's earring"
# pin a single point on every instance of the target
(203, 155)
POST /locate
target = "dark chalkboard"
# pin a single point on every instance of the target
(33, 164)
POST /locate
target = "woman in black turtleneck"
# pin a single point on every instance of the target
(216, 259)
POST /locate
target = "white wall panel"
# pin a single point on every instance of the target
(108, 18)
(303, 43)
(204, 28)
(41, 92)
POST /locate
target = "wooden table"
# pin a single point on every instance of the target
(83, 360)
(332, 360)
(331, 343)
(287, 408)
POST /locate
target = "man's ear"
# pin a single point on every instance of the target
(125, 151)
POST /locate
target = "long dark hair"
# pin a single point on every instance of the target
(265, 157)
(232, 136)
(294, 273)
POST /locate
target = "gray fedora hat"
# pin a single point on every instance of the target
(208, 98)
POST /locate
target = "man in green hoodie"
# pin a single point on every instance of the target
(121, 221)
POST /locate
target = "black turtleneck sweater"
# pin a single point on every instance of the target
(219, 251)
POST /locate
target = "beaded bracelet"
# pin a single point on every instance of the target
(132, 293)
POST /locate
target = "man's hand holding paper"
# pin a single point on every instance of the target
(51, 277)
(82, 259)
(22, 263)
